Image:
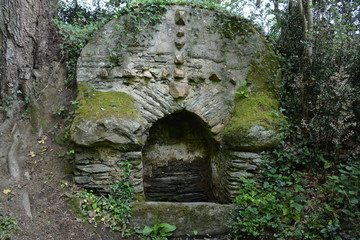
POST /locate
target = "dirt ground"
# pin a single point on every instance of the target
(39, 198)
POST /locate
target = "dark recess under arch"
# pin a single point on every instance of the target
(177, 160)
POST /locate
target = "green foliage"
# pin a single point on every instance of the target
(293, 199)
(158, 231)
(243, 90)
(74, 38)
(7, 226)
(114, 209)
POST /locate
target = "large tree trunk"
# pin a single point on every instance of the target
(29, 61)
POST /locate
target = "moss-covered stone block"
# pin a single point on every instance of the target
(254, 125)
(95, 105)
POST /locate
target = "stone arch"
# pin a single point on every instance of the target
(177, 159)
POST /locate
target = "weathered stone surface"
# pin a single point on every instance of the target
(205, 218)
(116, 73)
(103, 73)
(128, 73)
(147, 74)
(179, 44)
(180, 34)
(165, 74)
(81, 179)
(95, 168)
(179, 73)
(180, 17)
(254, 125)
(214, 77)
(178, 89)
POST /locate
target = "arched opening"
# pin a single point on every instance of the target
(177, 160)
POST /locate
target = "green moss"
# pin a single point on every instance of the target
(256, 110)
(96, 105)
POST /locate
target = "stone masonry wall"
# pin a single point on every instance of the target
(194, 60)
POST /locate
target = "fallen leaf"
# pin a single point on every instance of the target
(6, 191)
(32, 154)
(44, 149)
(42, 139)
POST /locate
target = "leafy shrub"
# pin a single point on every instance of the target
(7, 226)
(112, 210)
(158, 231)
(285, 203)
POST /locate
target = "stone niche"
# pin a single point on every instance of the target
(188, 101)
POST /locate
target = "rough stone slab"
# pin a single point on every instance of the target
(205, 217)
(81, 179)
(95, 168)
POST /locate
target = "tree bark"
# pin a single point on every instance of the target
(27, 46)
(28, 50)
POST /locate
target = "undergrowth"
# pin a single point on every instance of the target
(300, 193)
(114, 209)
(7, 226)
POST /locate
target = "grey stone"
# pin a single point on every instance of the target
(116, 72)
(203, 86)
(179, 44)
(179, 73)
(128, 73)
(133, 156)
(179, 89)
(180, 34)
(164, 74)
(95, 168)
(101, 176)
(81, 179)
(205, 218)
(147, 74)
(103, 73)
(179, 58)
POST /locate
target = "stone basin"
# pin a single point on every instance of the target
(206, 218)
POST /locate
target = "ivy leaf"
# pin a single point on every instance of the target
(298, 207)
